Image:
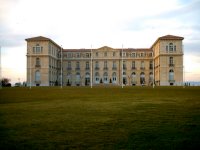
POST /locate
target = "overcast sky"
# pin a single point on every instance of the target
(80, 23)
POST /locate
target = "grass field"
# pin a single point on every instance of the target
(100, 118)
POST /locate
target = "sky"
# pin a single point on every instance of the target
(82, 23)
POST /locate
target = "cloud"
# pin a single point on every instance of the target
(78, 23)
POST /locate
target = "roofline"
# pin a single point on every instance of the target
(44, 39)
(167, 38)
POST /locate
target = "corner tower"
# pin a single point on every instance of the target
(43, 61)
(168, 60)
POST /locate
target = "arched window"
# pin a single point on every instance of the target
(171, 47)
(124, 78)
(78, 78)
(171, 75)
(105, 77)
(37, 75)
(133, 78)
(69, 79)
(114, 77)
(142, 78)
(97, 78)
(87, 78)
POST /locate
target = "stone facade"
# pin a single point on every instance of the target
(161, 64)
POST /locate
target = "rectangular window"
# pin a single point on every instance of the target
(114, 65)
(87, 65)
(77, 55)
(68, 55)
(133, 64)
(124, 54)
(171, 61)
(105, 54)
(87, 55)
(133, 55)
(151, 65)
(77, 65)
(124, 64)
(113, 54)
(105, 65)
(69, 67)
(96, 65)
(142, 65)
(33, 50)
(97, 54)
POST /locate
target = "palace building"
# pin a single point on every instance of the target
(48, 64)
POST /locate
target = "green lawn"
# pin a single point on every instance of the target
(100, 118)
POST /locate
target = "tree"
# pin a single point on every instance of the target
(5, 82)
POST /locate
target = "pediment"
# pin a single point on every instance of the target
(105, 48)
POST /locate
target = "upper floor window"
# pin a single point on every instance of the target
(87, 55)
(142, 64)
(133, 54)
(77, 64)
(37, 61)
(124, 54)
(171, 47)
(171, 61)
(105, 64)
(151, 64)
(105, 54)
(87, 65)
(124, 64)
(69, 55)
(133, 64)
(97, 54)
(77, 55)
(69, 64)
(114, 65)
(96, 64)
(150, 54)
(37, 49)
(114, 54)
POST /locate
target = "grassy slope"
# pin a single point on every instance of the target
(100, 118)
